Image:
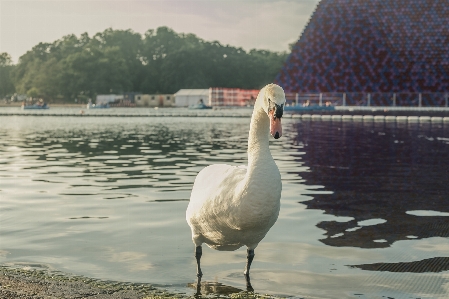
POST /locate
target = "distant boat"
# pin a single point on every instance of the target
(97, 106)
(36, 106)
(309, 108)
(200, 105)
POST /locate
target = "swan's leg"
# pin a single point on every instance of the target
(249, 260)
(198, 288)
(249, 287)
(198, 254)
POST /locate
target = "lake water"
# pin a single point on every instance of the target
(364, 208)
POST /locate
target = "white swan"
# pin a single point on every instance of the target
(232, 206)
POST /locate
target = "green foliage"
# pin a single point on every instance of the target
(5, 59)
(6, 83)
(115, 61)
(33, 92)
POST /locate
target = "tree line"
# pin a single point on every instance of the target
(116, 61)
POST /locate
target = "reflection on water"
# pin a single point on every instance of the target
(205, 288)
(364, 207)
(437, 264)
(378, 172)
(118, 159)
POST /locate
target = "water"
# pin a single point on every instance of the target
(364, 208)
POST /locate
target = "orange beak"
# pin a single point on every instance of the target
(275, 125)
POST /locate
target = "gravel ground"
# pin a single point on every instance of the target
(36, 284)
(40, 284)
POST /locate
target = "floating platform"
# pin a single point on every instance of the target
(340, 113)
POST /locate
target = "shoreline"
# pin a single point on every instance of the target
(37, 284)
(18, 105)
(346, 113)
(28, 283)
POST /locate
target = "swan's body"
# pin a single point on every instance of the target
(230, 211)
(233, 206)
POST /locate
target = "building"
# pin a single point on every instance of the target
(219, 96)
(107, 98)
(154, 100)
(371, 46)
(115, 100)
(187, 97)
(131, 96)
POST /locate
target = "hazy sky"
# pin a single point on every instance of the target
(260, 24)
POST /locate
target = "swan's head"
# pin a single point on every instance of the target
(273, 105)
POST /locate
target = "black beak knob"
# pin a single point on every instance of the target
(279, 110)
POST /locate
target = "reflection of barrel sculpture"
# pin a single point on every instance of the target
(370, 169)
(235, 206)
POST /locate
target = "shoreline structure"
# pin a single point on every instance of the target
(347, 113)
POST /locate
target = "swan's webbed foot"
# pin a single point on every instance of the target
(198, 288)
(198, 254)
(249, 287)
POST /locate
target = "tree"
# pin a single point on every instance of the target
(31, 70)
(33, 92)
(128, 45)
(6, 83)
(162, 61)
(173, 61)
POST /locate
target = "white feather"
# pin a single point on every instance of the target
(233, 206)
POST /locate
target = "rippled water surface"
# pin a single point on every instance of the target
(364, 208)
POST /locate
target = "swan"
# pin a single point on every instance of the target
(235, 206)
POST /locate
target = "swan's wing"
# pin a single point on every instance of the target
(215, 187)
(216, 179)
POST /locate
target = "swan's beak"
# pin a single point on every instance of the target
(275, 124)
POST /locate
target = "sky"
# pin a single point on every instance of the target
(250, 24)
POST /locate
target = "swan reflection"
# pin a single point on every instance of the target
(216, 288)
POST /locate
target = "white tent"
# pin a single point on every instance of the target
(187, 97)
(107, 98)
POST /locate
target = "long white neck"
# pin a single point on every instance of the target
(258, 140)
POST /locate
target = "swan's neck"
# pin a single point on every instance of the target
(258, 140)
